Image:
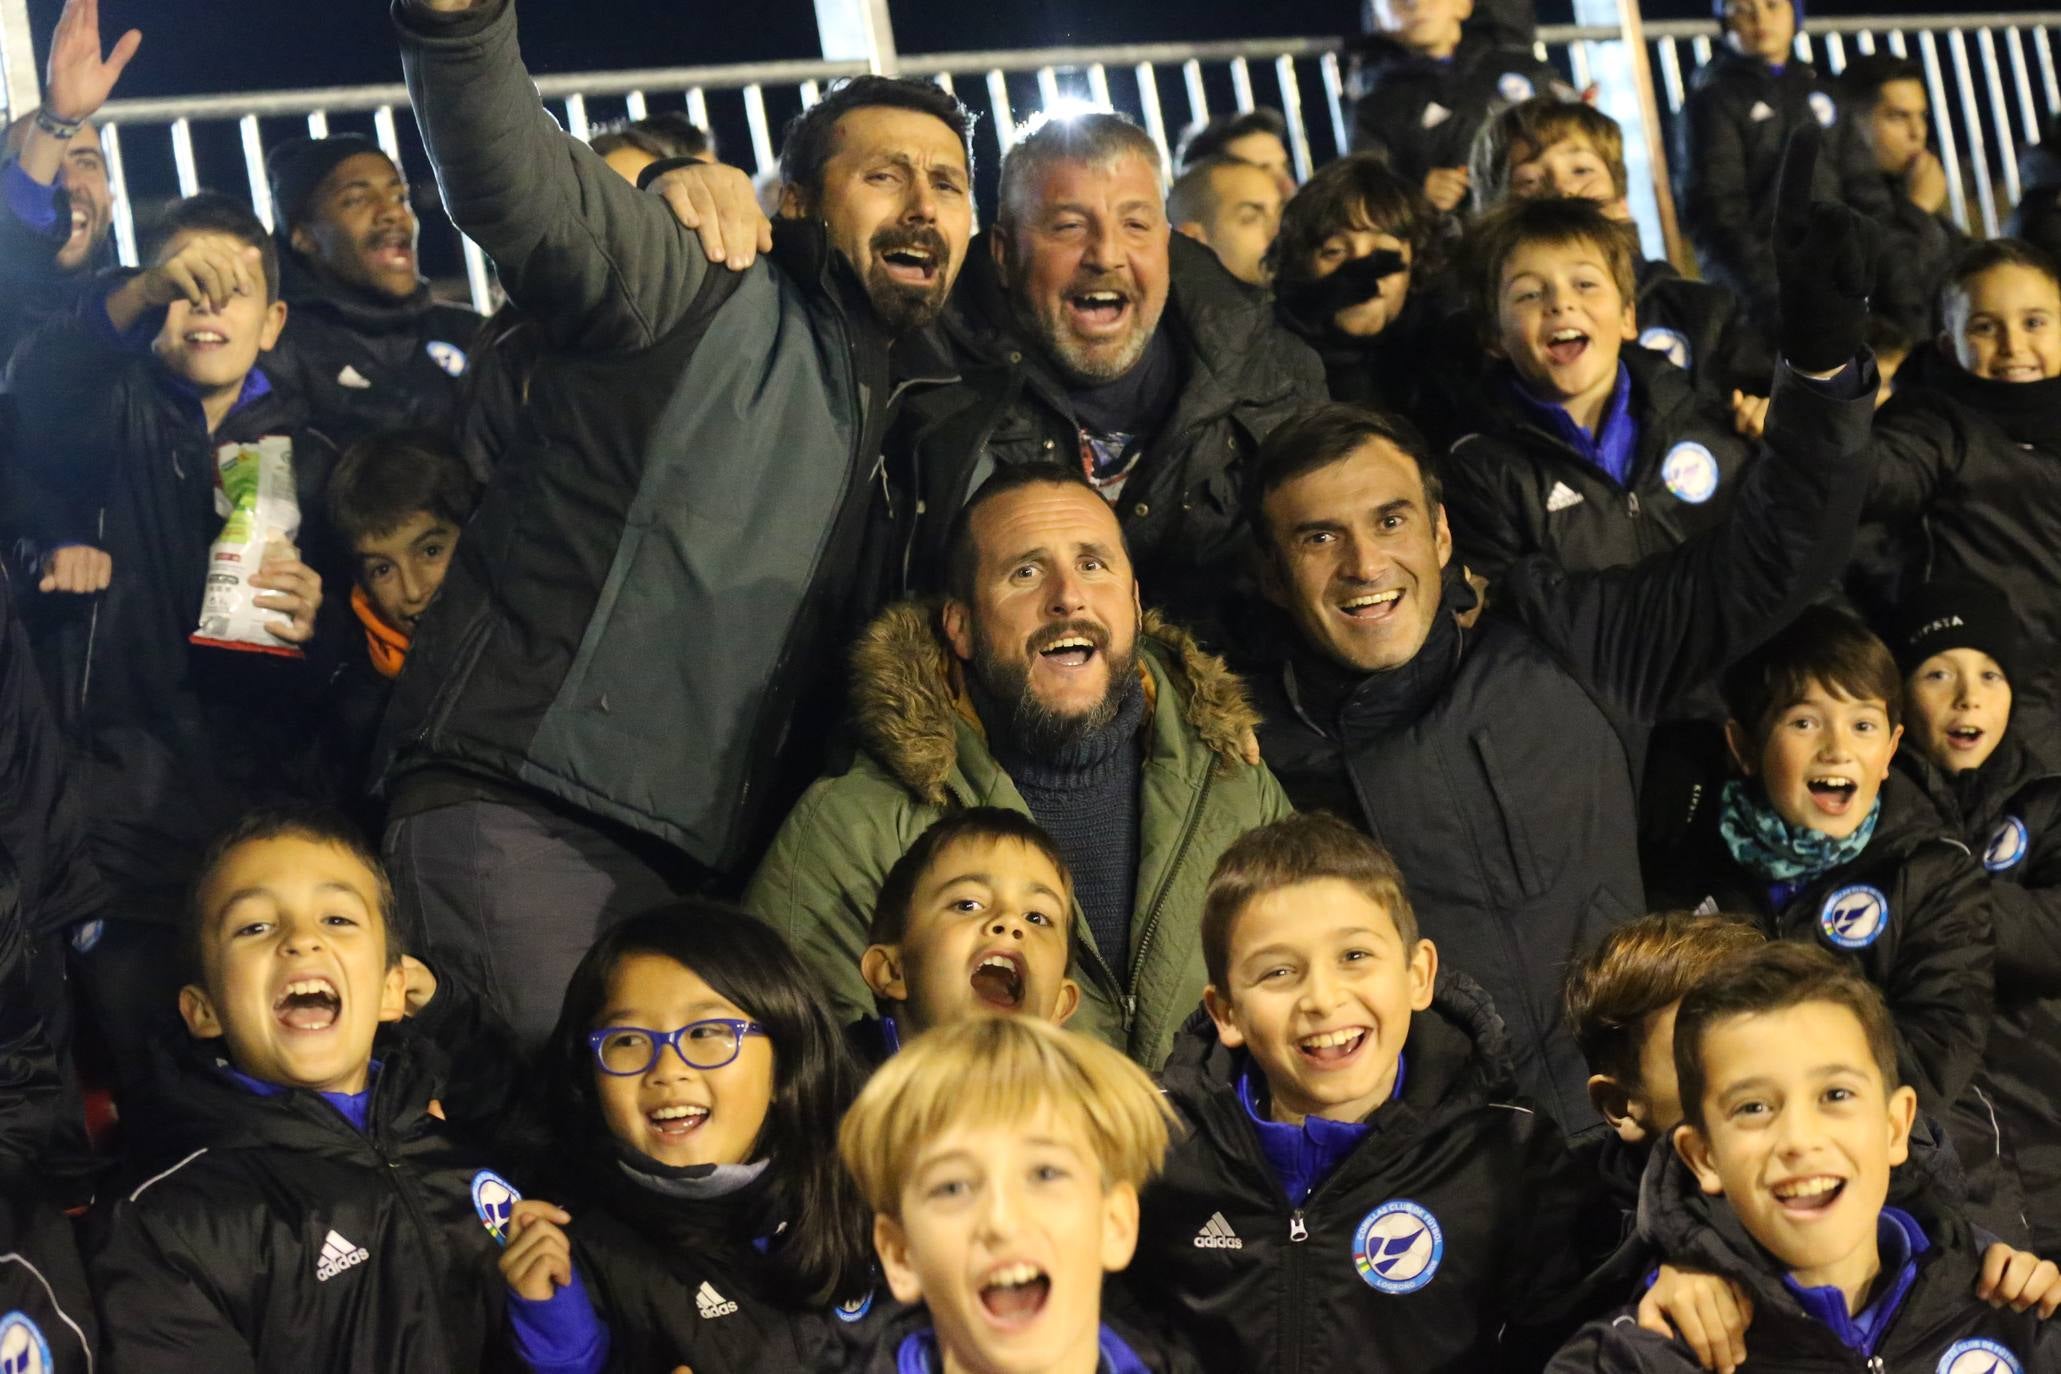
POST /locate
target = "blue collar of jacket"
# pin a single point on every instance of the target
(1616, 440)
(1901, 1240)
(1302, 1157)
(918, 1354)
(352, 1107)
(256, 386)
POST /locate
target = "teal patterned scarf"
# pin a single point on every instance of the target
(1765, 844)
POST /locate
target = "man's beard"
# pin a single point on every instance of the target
(903, 307)
(1084, 362)
(1037, 729)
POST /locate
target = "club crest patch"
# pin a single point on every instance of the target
(1398, 1247)
(1978, 1357)
(1854, 917)
(1671, 344)
(2007, 846)
(87, 934)
(492, 1199)
(450, 357)
(22, 1347)
(1515, 87)
(1823, 108)
(856, 1309)
(1691, 472)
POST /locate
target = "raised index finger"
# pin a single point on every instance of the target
(1799, 165)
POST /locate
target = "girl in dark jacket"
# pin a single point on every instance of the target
(696, 1079)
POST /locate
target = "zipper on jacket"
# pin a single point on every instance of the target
(1298, 1229)
(1188, 830)
(1631, 501)
(1294, 1308)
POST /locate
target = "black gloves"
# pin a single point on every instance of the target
(1824, 265)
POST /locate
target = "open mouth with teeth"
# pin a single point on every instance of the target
(393, 249)
(308, 1004)
(1098, 312)
(910, 265)
(205, 340)
(1805, 1196)
(1014, 1294)
(1372, 605)
(1832, 793)
(1329, 1049)
(998, 980)
(1564, 347)
(1962, 738)
(2016, 372)
(676, 1122)
(1067, 651)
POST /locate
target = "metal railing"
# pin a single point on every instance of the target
(1991, 78)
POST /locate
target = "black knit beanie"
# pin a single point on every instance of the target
(1955, 615)
(296, 167)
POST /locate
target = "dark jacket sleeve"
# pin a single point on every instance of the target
(1941, 988)
(1643, 635)
(1617, 1345)
(70, 380)
(1482, 505)
(1544, 1281)
(1716, 209)
(1918, 451)
(41, 821)
(30, 1101)
(2026, 916)
(159, 1307)
(602, 265)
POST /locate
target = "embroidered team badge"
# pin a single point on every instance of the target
(1978, 1357)
(1854, 917)
(493, 1197)
(2007, 846)
(87, 934)
(1823, 108)
(22, 1347)
(1515, 87)
(450, 357)
(1398, 1247)
(1671, 344)
(856, 1309)
(1690, 472)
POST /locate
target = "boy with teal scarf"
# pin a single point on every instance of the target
(1816, 839)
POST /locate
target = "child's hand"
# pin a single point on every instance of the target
(76, 568)
(538, 1259)
(1749, 415)
(2019, 1280)
(1445, 187)
(293, 587)
(208, 272)
(1706, 1313)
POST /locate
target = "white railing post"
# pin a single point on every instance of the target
(1624, 79)
(18, 59)
(857, 31)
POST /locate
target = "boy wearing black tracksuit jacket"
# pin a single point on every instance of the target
(1304, 1224)
(1958, 650)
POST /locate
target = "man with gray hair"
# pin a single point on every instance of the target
(1088, 332)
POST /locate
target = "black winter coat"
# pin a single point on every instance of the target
(1461, 1163)
(1515, 488)
(1969, 486)
(1729, 139)
(1423, 114)
(43, 1290)
(1499, 766)
(1703, 328)
(280, 1238)
(1917, 249)
(42, 826)
(168, 740)
(1160, 1352)
(363, 362)
(2009, 813)
(1181, 509)
(1939, 1325)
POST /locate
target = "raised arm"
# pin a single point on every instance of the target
(602, 265)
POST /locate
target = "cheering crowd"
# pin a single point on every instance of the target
(1221, 775)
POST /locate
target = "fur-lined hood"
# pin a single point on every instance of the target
(909, 694)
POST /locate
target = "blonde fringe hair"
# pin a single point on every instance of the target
(997, 1070)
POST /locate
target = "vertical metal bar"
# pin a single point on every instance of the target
(1291, 102)
(118, 189)
(1835, 54)
(254, 167)
(858, 30)
(18, 59)
(1897, 44)
(477, 283)
(1048, 87)
(1865, 41)
(635, 108)
(576, 116)
(1802, 47)
(1700, 45)
(182, 158)
(1978, 153)
(383, 130)
(318, 124)
(697, 107)
(2044, 46)
(761, 133)
(2000, 112)
(1241, 84)
(1671, 75)
(2021, 80)
(1334, 96)
(811, 92)
(1578, 65)
(1198, 99)
(998, 103)
(1098, 85)
(1155, 118)
(1935, 90)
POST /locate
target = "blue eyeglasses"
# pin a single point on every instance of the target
(628, 1050)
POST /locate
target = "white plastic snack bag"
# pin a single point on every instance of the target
(255, 495)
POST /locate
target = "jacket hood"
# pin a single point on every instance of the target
(909, 694)
(2025, 411)
(305, 286)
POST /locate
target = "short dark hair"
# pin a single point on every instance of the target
(1321, 435)
(1305, 847)
(211, 212)
(1641, 968)
(1522, 131)
(991, 823)
(1778, 975)
(810, 138)
(1987, 256)
(1860, 85)
(661, 136)
(1554, 221)
(962, 560)
(1207, 138)
(1361, 190)
(317, 824)
(1193, 195)
(1823, 646)
(385, 478)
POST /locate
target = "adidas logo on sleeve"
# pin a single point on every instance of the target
(338, 1255)
(711, 1303)
(1216, 1234)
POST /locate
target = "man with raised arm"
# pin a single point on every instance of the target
(636, 654)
